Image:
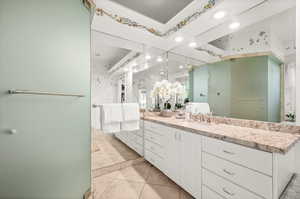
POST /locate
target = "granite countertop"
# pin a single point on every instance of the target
(269, 141)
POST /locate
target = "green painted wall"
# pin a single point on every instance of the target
(274, 91)
(44, 45)
(219, 91)
(247, 88)
(200, 84)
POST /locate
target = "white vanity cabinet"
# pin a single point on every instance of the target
(133, 139)
(210, 168)
(190, 162)
(234, 171)
(181, 155)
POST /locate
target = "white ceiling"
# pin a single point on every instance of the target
(159, 10)
(203, 30)
(284, 25)
(109, 56)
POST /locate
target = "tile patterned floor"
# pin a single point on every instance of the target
(293, 191)
(108, 150)
(141, 181)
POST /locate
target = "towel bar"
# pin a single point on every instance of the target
(27, 92)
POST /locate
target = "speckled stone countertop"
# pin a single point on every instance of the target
(270, 141)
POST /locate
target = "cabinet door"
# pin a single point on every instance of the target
(190, 163)
(172, 148)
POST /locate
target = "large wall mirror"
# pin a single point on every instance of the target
(249, 73)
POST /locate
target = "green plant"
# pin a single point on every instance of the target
(291, 117)
(167, 105)
(178, 105)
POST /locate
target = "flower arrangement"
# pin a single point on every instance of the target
(164, 92)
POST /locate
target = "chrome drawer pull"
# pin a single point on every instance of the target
(228, 192)
(228, 152)
(228, 172)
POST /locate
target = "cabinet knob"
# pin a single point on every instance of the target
(228, 152)
(228, 192)
(228, 172)
(13, 131)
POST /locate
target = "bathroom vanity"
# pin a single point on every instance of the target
(216, 161)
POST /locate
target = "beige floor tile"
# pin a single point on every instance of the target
(156, 177)
(101, 184)
(185, 195)
(159, 192)
(122, 189)
(105, 170)
(137, 173)
(108, 150)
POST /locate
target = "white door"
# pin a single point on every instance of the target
(44, 139)
(190, 163)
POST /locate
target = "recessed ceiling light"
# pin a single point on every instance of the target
(234, 25)
(146, 66)
(134, 64)
(147, 57)
(179, 39)
(220, 15)
(192, 44)
(126, 69)
(159, 59)
(181, 66)
(161, 72)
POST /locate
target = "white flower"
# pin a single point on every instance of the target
(167, 91)
(178, 89)
(162, 90)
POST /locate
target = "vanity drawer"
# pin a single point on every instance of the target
(139, 140)
(225, 188)
(258, 183)
(251, 158)
(131, 135)
(153, 137)
(209, 194)
(154, 148)
(154, 159)
(138, 148)
(139, 132)
(157, 128)
(121, 136)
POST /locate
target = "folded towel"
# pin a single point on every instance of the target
(130, 125)
(131, 112)
(198, 108)
(111, 113)
(111, 127)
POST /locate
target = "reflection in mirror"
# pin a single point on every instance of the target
(247, 74)
(169, 71)
(256, 77)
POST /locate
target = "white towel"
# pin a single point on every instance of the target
(111, 118)
(130, 126)
(131, 111)
(198, 108)
(131, 117)
(112, 113)
(111, 127)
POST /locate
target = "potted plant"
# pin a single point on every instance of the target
(164, 93)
